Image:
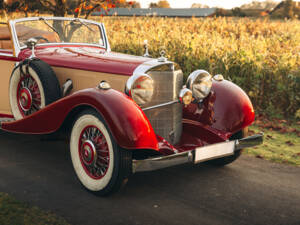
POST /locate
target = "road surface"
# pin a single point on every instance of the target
(249, 191)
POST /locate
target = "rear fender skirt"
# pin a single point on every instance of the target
(227, 108)
(126, 121)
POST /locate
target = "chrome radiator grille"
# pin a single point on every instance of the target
(167, 120)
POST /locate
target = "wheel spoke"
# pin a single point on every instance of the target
(102, 150)
(102, 164)
(35, 107)
(94, 152)
(103, 158)
(28, 87)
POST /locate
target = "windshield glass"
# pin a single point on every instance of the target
(59, 31)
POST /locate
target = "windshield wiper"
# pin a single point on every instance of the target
(52, 28)
(84, 24)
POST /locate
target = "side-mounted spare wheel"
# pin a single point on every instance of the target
(33, 85)
(100, 164)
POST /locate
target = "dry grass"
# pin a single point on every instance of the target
(262, 56)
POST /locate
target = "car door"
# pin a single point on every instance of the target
(7, 63)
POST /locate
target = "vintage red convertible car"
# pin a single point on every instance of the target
(123, 114)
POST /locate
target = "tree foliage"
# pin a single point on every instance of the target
(160, 4)
(153, 5)
(238, 12)
(289, 9)
(131, 4)
(63, 7)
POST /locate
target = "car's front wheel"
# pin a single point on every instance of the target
(100, 164)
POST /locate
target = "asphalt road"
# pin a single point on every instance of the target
(249, 191)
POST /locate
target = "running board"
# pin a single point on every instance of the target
(5, 120)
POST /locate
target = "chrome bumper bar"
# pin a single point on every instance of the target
(189, 156)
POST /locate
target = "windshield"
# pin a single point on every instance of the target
(59, 31)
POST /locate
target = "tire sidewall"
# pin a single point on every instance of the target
(106, 182)
(13, 90)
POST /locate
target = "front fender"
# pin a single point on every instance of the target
(126, 121)
(227, 108)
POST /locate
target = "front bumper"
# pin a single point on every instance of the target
(197, 155)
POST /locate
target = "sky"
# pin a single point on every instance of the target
(227, 4)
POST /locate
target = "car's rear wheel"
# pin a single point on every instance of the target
(33, 85)
(229, 159)
(100, 164)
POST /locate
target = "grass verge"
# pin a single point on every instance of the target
(279, 145)
(13, 212)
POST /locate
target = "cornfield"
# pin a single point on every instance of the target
(262, 56)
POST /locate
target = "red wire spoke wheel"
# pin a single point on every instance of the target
(28, 95)
(33, 85)
(93, 152)
(99, 163)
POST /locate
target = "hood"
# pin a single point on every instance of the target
(87, 58)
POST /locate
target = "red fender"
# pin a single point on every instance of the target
(125, 119)
(227, 108)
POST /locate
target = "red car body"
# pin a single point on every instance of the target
(223, 112)
(227, 110)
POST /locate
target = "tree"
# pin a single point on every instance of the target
(153, 5)
(131, 4)
(24, 6)
(163, 4)
(160, 4)
(289, 9)
(62, 7)
(238, 12)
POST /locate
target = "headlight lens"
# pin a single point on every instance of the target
(200, 82)
(186, 96)
(140, 88)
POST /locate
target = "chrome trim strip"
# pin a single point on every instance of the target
(108, 49)
(16, 49)
(146, 66)
(250, 141)
(132, 80)
(6, 54)
(162, 162)
(161, 105)
(188, 157)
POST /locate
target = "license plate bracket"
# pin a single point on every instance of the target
(214, 151)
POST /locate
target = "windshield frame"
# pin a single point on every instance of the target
(17, 48)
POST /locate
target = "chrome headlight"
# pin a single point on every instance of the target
(140, 88)
(185, 96)
(200, 82)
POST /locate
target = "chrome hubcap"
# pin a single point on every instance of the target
(25, 99)
(89, 153)
(28, 95)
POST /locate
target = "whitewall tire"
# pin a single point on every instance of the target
(100, 165)
(33, 85)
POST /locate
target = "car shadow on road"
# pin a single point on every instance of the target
(38, 170)
(39, 153)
